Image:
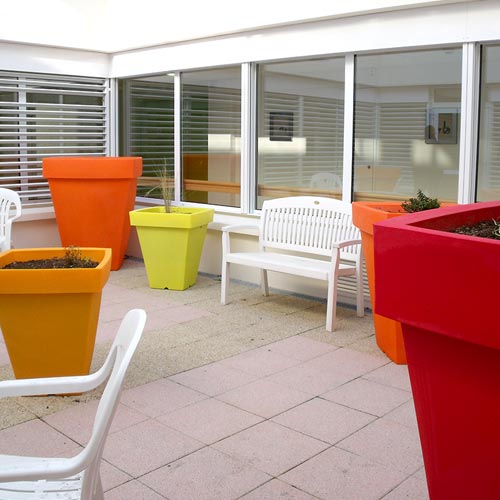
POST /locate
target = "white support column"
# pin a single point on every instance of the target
(248, 132)
(177, 139)
(471, 67)
(348, 128)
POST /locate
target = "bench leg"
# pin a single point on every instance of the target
(224, 283)
(331, 305)
(360, 297)
(264, 285)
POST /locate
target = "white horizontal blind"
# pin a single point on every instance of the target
(148, 121)
(47, 115)
(493, 146)
(320, 121)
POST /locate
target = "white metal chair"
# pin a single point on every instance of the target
(326, 181)
(8, 199)
(77, 477)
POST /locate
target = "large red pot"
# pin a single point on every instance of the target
(444, 289)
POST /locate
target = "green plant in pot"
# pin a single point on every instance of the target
(171, 238)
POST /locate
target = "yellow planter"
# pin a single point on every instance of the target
(171, 244)
(49, 316)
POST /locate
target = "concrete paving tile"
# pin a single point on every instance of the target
(277, 489)
(264, 398)
(132, 490)
(213, 379)
(347, 361)
(405, 415)
(340, 475)
(270, 447)
(160, 397)
(111, 476)
(301, 348)
(206, 474)
(368, 396)
(411, 489)
(392, 375)
(146, 446)
(77, 422)
(209, 420)
(324, 420)
(34, 438)
(261, 362)
(388, 443)
(308, 378)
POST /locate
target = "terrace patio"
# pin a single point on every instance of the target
(251, 400)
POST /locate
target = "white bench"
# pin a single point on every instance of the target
(319, 228)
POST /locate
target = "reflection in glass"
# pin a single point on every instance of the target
(488, 182)
(406, 124)
(300, 128)
(211, 136)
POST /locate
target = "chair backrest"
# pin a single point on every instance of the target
(8, 199)
(326, 180)
(117, 363)
(308, 224)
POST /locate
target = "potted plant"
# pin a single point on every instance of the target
(48, 317)
(171, 239)
(92, 197)
(451, 335)
(364, 215)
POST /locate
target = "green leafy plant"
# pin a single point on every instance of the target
(420, 203)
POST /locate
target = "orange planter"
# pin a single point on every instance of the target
(92, 198)
(49, 317)
(388, 332)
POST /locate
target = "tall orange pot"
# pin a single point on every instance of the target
(92, 197)
(388, 333)
(49, 317)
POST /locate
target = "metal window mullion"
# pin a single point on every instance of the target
(467, 172)
(347, 177)
(177, 138)
(248, 133)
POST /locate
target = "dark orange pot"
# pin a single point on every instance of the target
(388, 333)
(92, 199)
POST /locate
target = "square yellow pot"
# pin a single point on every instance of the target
(171, 244)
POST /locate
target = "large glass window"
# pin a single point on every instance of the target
(488, 185)
(300, 128)
(147, 127)
(406, 126)
(211, 136)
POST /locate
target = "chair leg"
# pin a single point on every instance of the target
(98, 492)
(264, 283)
(224, 284)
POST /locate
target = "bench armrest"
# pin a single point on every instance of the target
(346, 243)
(239, 227)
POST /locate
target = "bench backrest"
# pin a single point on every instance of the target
(308, 224)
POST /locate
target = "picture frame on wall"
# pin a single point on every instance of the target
(441, 126)
(281, 126)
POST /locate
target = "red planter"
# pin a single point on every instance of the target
(92, 198)
(444, 288)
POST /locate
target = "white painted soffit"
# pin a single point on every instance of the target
(112, 26)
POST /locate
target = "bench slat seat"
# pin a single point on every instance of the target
(320, 228)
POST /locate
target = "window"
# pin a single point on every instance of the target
(488, 185)
(47, 115)
(300, 128)
(406, 124)
(211, 136)
(147, 127)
